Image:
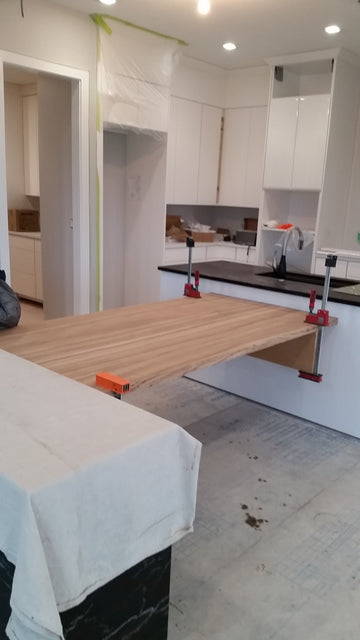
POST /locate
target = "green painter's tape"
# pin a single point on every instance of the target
(99, 19)
(98, 97)
(98, 241)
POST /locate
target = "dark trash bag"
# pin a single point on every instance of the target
(10, 310)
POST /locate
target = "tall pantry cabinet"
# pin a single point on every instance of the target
(312, 120)
(193, 152)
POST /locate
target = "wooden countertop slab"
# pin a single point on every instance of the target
(152, 342)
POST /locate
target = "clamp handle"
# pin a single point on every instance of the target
(312, 300)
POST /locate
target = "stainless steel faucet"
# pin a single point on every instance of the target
(280, 269)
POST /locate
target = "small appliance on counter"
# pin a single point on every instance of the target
(245, 237)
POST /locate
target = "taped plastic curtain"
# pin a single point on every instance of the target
(134, 75)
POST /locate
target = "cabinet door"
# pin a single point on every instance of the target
(234, 156)
(255, 157)
(242, 157)
(280, 143)
(31, 145)
(183, 154)
(353, 270)
(310, 145)
(209, 155)
(193, 149)
(38, 271)
(220, 252)
(340, 271)
(22, 266)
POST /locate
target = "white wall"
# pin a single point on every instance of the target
(247, 87)
(56, 210)
(14, 148)
(49, 32)
(198, 81)
(352, 222)
(145, 217)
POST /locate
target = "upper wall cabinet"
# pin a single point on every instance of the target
(193, 153)
(31, 145)
(296, 142)
(242, 157)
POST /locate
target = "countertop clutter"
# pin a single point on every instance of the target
(260, 278)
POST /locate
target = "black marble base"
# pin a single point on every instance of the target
(133, 606)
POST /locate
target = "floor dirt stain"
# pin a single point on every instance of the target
(253, 522)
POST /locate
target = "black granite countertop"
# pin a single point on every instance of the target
(252, 276)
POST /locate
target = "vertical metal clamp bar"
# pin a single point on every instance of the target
(330, 262)
(189, 243)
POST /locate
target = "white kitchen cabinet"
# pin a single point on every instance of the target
(221, 252)
(192, 153)
(178, 253)
(353, 270)
(296, 142)
(209, 153)
(310, 146)
(31, 145)
(242, 156)
(38, 270)
(340, 271)
(25, 265)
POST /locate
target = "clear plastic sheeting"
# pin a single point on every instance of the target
(135, 69)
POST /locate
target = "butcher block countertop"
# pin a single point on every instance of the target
(149, 343)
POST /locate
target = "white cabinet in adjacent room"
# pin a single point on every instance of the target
(25, 265)
(296, 142)
(192, 153)
(31, 145)
(242, 157)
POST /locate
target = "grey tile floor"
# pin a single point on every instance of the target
(275, 553)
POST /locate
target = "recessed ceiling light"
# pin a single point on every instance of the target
(229, 46)
(203, 7)
(332, 28)
(108, 2)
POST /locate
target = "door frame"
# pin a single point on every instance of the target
(80, 172)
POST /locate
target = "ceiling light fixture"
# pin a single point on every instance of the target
(203, 7)
(332, 28)
(108, 2)
(229, 46)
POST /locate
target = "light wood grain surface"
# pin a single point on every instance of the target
(152, 342)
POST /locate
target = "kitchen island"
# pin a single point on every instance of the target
(93, 493)
(335, 402)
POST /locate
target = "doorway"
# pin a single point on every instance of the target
(64, 181)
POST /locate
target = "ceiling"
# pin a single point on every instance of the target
(260, 28)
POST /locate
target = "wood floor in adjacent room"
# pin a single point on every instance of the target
(31, 313)
(275, 550)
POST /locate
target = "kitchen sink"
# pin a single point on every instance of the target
(309, 278)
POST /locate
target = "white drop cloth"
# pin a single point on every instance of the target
(89, 486)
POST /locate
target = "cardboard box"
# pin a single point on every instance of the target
(201, 236)
(177, 234)
(173, 221)
(23, 220)
(250, 224)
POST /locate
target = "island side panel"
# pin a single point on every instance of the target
(334, 403)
